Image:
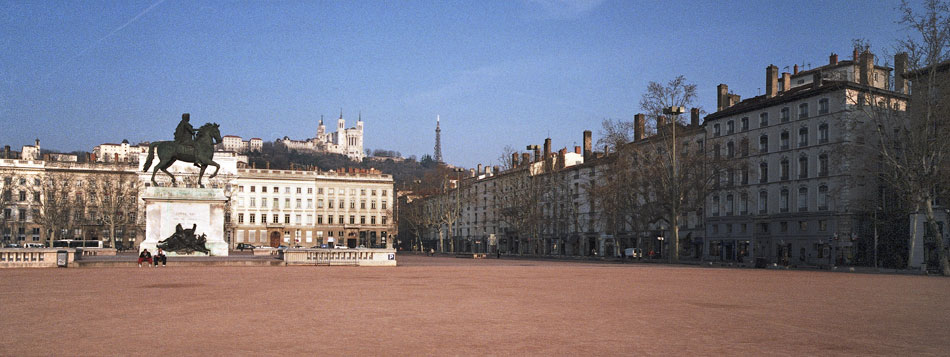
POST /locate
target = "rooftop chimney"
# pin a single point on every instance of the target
(854, 56)
(771, 81)
(479, 170)
(786, 81)
(795, 69)
(577, 149)
(722, 93)
(494, 170)
(514, 159)
(525, 158)
(900, 66)
(561, 157)
(833, 59)
(638, 127)
(6, 151)
(694, 117)
(866, 69)
(547, 148)
(587, 145)
(537, 153)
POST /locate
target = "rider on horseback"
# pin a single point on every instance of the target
(185, 135)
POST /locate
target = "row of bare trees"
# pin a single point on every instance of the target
(61, 202)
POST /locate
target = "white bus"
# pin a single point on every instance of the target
(71, 243)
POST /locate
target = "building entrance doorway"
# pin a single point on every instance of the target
(275, 239)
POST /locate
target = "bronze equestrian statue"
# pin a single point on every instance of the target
(198, 150)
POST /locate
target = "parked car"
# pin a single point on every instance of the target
(361, 246)
(342, 247)
(34, 245)
(243, 246)
(633, 253)
(12, 245)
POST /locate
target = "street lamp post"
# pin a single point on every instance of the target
(674, 112)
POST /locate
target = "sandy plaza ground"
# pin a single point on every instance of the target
(450, 306)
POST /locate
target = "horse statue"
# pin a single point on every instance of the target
(200, 154)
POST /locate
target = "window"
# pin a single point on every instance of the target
(715, 206)
(252, 217)
(823, 133)
(744, 147)
(372, 204)
(320, 218)
(729, 205)
(362, 219)
(764, 143)
(803, 226)
(298, 190)
(253, 204)
(823, 106)
(240, 217)
(264, 189)
(763, 120)
(352, 204)
(286, 203)
(352, 219)
(785, 115)
(22, 214)
(783, 140)
(383, 220)
(730, 127)
(339, 219)
(309, 203)
(22, 196)
(783, 227)
(744, 123)
(823, 165)
(264, 203)
(330, 203)
(287, 219)
(252, 188)
(298, 202)
(802, 110)
(275, 218)
(763, 203)
(372, 220)
(319, 190)
(822, 225)
(822, 198)
(716, 150)
(783, 169)
(384, 204)
(730, 150)
(783, 201)
(310, 190)
(744, 203)
(803, 167)
(372, 192)
(362, 192)
(803, 137)
(763, 172)
(362, 204)
(716, 130)
(715, 229)
(803, 199)
(277, 203)
(240, 188)
(744, 175)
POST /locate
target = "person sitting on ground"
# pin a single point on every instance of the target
(160, 256)
(145, 256)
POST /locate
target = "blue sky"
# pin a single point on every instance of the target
(79, 73)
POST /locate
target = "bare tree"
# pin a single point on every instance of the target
(913, 148)
(55, 208)
(506, 160)
(115, 199)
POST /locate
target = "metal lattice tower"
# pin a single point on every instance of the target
(438, 141)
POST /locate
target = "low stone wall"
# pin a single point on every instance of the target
(34, 257)
(354, 257)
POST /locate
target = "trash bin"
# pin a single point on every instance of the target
(62, 258)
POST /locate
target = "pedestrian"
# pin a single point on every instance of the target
(498, 253)
(160, 256)
(145, 256)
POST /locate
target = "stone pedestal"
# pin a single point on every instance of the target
(166, 207)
